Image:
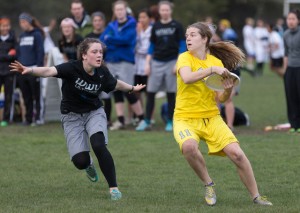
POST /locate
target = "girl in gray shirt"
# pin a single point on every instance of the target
(292, 74)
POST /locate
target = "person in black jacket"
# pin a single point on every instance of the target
(69, 40)
(31, 53)
(7, 55)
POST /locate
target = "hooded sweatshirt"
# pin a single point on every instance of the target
(5, 57)
(31, 48)
(120, 41)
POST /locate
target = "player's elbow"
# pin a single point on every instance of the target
(187, 80)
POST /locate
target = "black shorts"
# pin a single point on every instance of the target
(141, 79)
(277, 62)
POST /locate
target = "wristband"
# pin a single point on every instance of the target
(130, 91)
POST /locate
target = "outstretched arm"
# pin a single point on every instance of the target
(36, 71)
(122, 86)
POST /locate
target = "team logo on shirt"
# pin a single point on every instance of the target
(165, 31)
(85, 86)
(27, 41)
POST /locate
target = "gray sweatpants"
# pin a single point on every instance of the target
(78, 128)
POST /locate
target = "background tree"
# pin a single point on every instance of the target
(186, 12)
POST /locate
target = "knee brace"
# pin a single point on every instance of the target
(81, 160)
(131, 98)
(118, 95)
(98, 142)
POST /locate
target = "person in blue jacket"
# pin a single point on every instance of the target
(31, 54)
(120, 40)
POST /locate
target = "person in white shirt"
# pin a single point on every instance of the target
(142, 44)
(276, 48)
(261, 45)
(248, 35)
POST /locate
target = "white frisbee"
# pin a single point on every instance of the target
(214, 81)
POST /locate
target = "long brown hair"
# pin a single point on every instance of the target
(33, 22)
(230, 55)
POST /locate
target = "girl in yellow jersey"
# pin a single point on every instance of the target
(196, 113)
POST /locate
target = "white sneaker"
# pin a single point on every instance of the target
(117, 125)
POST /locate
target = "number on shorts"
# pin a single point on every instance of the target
(184, 134)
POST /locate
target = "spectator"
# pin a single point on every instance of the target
(120, 39)
(98, 21)
(280, 26)
(213, 28)
(31, 54)
(167, 41)
(81, 19)
(261, 45)
(154, 14)
(48, 42)
(69, 40)
(292, 67)
(249, 39)
(276, 48)
(7, 55)
(228, 34)
(143, 41)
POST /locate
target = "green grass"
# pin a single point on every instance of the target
(36, 174)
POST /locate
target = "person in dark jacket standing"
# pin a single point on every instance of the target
(31, 54)
(292, 73)
(82, 20)
(166, 42)
(69, 40)
(7, 55)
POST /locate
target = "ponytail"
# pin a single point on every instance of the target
(36, 24)
(230, 55)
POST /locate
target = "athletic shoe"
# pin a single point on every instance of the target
(91, 173)
(262, 200)
(210, 195)
(298, 130)
(169, 126)
(115, 194)
(292, 131)
(117, 125)
(40, 122)
(247, 119)
(3, 123)
(143, 125)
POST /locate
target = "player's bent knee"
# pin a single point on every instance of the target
(81, 160)
(189, 147)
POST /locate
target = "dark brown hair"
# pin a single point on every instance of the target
(84, 46)
(296, 12)
(230, 55)
(35, 23)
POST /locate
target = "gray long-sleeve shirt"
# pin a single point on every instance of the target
(292, 47)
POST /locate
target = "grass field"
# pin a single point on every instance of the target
(37, 176)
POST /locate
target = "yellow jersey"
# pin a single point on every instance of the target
(195, 100)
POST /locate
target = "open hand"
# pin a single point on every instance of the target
(138, 87)
(18, 67)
